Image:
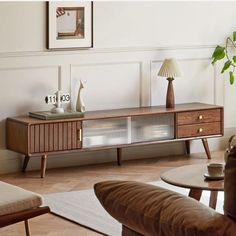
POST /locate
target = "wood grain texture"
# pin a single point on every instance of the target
(192, 176)
(200, 116)
(23, 215)
(51, 147)
(65, 135)
(25, 163)
(31, 139)
(55, 137)
(197, 130)
(46, 137)
(16, 137)
(195, 193)
(43, 137)
(27, 228)
(90, 115)
(62, 135)
(187, 147)
(170, 97)
(43, 165)
(206, 147)
(36, 138)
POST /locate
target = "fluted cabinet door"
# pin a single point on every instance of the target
(56, 136)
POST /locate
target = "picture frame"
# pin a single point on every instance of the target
(69, 25)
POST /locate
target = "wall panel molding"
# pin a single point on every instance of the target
(138, 62)
(114, 79)
(101, 50)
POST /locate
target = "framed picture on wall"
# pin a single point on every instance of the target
(70, 25)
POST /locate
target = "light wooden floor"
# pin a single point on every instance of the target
(78, 178)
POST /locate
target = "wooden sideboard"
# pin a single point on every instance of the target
(116, 128)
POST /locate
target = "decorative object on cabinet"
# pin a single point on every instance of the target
(57, 99)
(48, 115)
(70, 24)
(57, 112)
(170, 69)
(115, 128)
(222, 52)
(80, 106)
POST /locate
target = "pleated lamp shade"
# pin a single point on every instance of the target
(169, 69)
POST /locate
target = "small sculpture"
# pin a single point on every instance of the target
(80, 106)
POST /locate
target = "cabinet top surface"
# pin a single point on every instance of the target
(124, 112)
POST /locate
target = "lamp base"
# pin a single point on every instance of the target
(170, 97)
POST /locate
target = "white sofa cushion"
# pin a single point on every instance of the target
(14, 199)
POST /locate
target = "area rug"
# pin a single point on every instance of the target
(82, 207)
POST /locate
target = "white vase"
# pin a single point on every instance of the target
(80, 106)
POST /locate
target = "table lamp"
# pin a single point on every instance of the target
(170, 69)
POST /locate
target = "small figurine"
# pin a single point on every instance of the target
(80, 106)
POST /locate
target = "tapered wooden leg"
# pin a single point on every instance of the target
(187, 147)
(206, 147)
(213, 199)
(119, 156)
(27, 229)
(43, 165)
(195, 193)
(26, 161)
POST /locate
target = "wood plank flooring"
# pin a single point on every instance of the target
(79, 178)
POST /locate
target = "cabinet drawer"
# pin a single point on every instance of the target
(55, 136)
(185, 131)
(201, 116)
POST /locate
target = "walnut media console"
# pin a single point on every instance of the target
(116, 128)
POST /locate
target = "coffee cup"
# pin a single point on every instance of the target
(215, 169)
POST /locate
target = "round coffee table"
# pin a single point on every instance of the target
(191, 176)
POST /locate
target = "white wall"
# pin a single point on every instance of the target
(131, 39)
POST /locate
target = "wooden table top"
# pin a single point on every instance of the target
(123, 112)
(191, 176)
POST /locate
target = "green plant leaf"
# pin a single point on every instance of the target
(231, 77)
(226, 66)
(234, 58)
(234, 36)
(218, 54)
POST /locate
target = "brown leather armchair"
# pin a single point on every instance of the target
(145, 209)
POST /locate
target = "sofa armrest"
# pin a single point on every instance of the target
(152, 210)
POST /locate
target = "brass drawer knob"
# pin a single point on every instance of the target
(200, 130)
(200, 117)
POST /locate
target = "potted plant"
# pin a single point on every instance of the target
(222, 52)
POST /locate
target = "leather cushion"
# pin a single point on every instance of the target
(152, 210)
(230, 185)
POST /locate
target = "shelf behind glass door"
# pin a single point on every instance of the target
(105, 132)
(152, 127)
